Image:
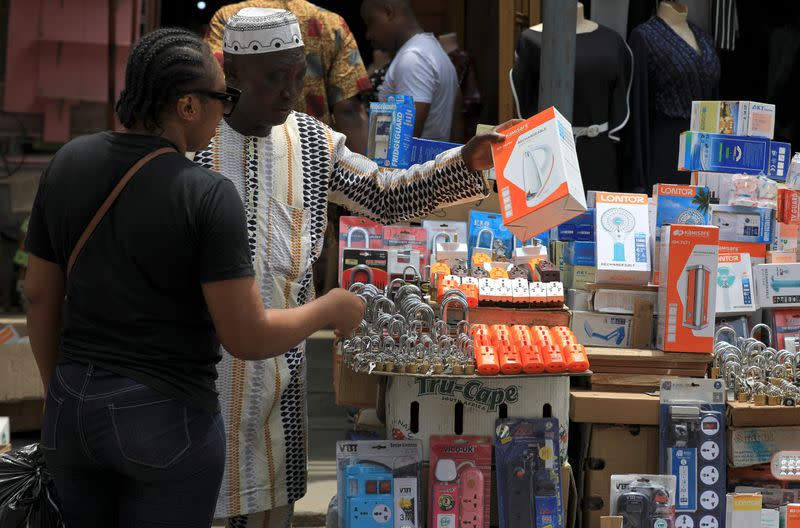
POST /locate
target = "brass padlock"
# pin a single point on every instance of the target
(438, 368)
(423, 368)
(412, 368)
(714, 372)
(469, 370)
(742, 397)
(775, 400)
(378, 367)
(760, 400)
(458, 370)
(388, 366)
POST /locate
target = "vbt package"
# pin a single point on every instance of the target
(735, 293)
(692, 425)
(460, 481)
(538, 177)
(644, 501)
(528, 473)
(777, 285)
(686, 291)
(489, 240)
(623, 231)
(378, 484)
(738, 118)
(391, 125)
(677, 204)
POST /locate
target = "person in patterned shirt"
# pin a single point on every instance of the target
(287, 166)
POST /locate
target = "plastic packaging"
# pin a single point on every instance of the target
(644, 501)
(27, 494)
(459, 481)
(793, 178)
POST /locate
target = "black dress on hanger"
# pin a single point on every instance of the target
(668, 75)
(602, 84)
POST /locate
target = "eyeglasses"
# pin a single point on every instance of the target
(229, 98)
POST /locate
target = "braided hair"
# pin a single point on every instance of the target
(161, 67)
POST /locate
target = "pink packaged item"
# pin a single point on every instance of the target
(357, 233)
(460, 481)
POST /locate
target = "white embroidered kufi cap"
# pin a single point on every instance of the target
(256, 30)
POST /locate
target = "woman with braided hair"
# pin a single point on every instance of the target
(139, 268)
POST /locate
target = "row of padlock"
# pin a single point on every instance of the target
(754, 371)
(532, 350)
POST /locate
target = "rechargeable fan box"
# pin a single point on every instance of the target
(538, 177)
(623, 234)
(687, 288)
(378, 484)
(676, 204)
(735, 286)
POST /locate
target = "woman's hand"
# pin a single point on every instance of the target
(347, 312)
(477, 153)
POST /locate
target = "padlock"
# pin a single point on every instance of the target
(742, 397)
(760, 400)
(774, 400)
(354, 230)
(484, 251)
(714, 372)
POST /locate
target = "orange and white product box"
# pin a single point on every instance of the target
(734, 281)
(538, 177)
(622, 230)
(756, 250)
(687, 292)
(790, 516)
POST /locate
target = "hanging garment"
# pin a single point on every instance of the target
(600, 107)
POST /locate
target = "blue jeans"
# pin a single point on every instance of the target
(124, 455)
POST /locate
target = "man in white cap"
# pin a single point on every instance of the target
(287, 166)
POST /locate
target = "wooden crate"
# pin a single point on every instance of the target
(640, 370)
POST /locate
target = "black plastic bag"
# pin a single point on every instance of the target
(27, 494)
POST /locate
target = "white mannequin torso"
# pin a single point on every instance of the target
(583, 25)
(675, 15)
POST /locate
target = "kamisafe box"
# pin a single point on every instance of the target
(538, 176)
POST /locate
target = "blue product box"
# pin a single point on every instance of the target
(580, 253)
(743, 224)
(700, 151)
(423, 150)
(488, 235)
(680, 204)
(780, 155)
(579, 228)
(391, 126)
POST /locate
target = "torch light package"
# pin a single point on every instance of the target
(686, 290)
(692, 425)
(378, 484)
(528, 473)
(623, 233)
(644, 501)
(391, 125)
(538, 177)
(700, 151)
(460, 481)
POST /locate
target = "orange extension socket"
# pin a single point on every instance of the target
(553, 359)
(481, 335)
(471, 291)
(576, 358)
(486, 360)
(507, 354)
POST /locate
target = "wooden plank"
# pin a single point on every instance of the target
(690, 373)
(626, 382)
(594, 286)
(642, 353)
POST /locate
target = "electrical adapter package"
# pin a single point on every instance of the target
(528, 473)
(378, 484)
(644, 501)
(460, 481)
(692, 424)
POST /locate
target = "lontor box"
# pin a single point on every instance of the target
(538, 177)
(687, 292)
(623, 233)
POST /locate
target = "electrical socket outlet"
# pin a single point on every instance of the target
(470, 520)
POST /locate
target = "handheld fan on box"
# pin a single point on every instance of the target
(690, 217)
(725, 279)
(618, 223)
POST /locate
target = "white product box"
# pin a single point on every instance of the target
(686, 291)
(770, 519)
(5, 432)
(720, 184)
(538, 177)
(743, 510)
(751, 446)
(739, 118)
(735, 284)
(622, 227)
(621, 301)
(604, 330)
(418, 407)
(743, 224)
(777, 285)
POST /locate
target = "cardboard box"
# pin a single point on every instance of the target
(19, 375)
(627, 408)
(788, 210)
(418, 407)
(580, 253)
(735, 293)
(579, 228)
(720, 184)
(751, 446)
(606, 458)
(784, 237)
(391, 126)
(770, 518)
(596, 329)
(750, 415)
(687, 291)
(743, 224)
(354, 389)
(790, 514)
(578, 277)
(538, 177)
(780, 157)
(739, 118)
(424, 150)
(700, 151)
(777, 285)
(623, 232)
(621, 301)
(743, 510)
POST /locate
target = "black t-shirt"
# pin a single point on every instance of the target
(134, 301)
